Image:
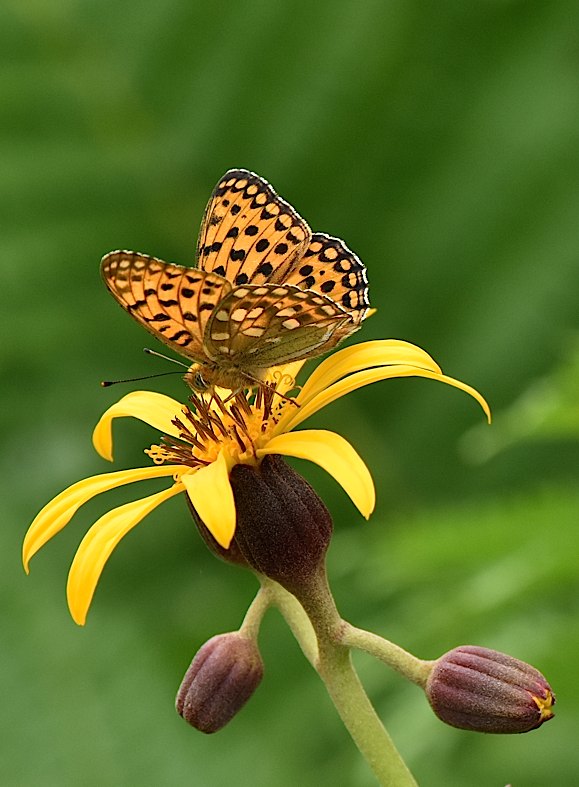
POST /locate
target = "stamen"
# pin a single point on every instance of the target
(218, 423)
(259, 398)
(236, 415)
(237, 423)
(241, 401)
(238, 438)
(173, 452)
(268, 393)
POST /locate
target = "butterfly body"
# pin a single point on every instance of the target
(266, 290)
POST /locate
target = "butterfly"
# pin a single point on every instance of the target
(266, 289)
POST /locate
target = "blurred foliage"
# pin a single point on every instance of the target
(548, 410)
(441, 140)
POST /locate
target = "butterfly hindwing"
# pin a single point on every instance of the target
(258, 326)
(249, 234)
(174, 303)
(328, 266)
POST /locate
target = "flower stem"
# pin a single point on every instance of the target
(335, 667)
(253, 617)
(412, 668)
(295, 617)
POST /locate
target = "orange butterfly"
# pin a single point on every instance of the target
(266, 290)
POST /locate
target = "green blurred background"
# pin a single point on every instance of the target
(441, 141)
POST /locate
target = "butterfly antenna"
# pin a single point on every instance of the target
(107, 383)
(166, 357)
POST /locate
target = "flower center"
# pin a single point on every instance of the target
(239, 424)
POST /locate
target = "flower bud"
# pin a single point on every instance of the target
(230, 555)
(283, 529)
(486, 691)
(222, 677)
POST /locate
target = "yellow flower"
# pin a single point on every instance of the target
(204, 441)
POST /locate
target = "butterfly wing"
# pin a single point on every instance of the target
(172, 302)
(258, 326)
(249, 234)
(330, 267)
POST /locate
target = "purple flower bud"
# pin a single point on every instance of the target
(222, 677)
(486, 691)
(283, 528)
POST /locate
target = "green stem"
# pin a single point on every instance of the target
(335, 667)
(412, 668)
(295, 617)
(257, 609)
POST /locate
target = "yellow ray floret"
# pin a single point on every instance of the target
(95, 548)
(330, 451)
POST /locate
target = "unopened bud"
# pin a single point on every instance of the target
(283, 529)
(486, 691)
(222, 677)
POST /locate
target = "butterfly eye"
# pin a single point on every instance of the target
(195, 379)
(199, 383)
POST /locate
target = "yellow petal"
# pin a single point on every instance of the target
(153, 408)
(368, 376)
(56, 514)
(96, 547)
(330, 451)
(210, 492)
(386, 352)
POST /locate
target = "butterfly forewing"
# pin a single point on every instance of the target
(328, 266)
(174, 303)
(258, 326)
(249, 234)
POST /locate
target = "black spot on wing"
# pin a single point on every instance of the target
(266, 268)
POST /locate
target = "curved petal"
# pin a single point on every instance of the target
(57, 514)
(154, 409)
(210, 492)
(96, 547)
(385, 352)
(366, 377)
(330, 451)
